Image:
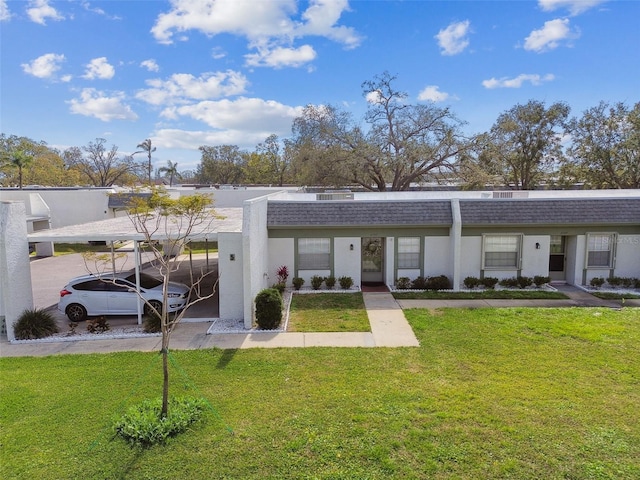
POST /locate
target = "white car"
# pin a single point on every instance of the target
(90, 295)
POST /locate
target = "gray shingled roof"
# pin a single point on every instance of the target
(358, 213)
(582, 211)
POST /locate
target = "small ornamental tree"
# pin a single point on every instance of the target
(167, 225)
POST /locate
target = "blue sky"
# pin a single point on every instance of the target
(187, 73)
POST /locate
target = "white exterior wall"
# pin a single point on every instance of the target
(628, 256)
(15, 275)
(535, 261)
(471, 263)
(230, 280)
(281, 252)
(437, 257)
(346, 262)
(255, 244)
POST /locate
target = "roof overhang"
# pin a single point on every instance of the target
(223, 220)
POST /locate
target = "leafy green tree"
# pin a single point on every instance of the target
(17, 152)
(102, 167)
(524, 144)
(605, 150)
(403, 144)
(221, 164)
(269, 164)
(171, 170)
(148, 149)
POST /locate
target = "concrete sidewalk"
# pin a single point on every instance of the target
(389, 328)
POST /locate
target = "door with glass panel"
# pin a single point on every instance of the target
(557, 259)
(372, 260)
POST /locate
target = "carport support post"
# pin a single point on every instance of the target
(135, 254)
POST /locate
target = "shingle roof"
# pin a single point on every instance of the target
(358, 213)
(575, 211)
(582, 211)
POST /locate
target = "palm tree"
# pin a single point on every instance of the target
(21, 159)
(172, 170)
(146, 147)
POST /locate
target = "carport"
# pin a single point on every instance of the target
(225, 229)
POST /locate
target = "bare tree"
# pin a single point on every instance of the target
(103, 167)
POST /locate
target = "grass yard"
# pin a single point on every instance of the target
(480, 294)
(328, 312)
(517, 393)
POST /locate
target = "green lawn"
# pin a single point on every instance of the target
(328, 312)
(480, 294)
(490, 394)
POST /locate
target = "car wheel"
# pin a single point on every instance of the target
(153, 304)
(76, 312)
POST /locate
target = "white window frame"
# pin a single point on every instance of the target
(489, 245)
(598, 242)
(408, 249)
(314, 253)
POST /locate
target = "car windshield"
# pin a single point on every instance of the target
(146, 281)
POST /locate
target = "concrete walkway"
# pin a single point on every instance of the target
(389, 328)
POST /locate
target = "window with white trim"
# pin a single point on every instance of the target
(600, 250)
(408, 252)
(314, 253)
(501, 251)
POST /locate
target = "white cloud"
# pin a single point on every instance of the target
(575, 7)
(453, 39)
(99, 68)
(192, 139)
(150, 65)
(94, 103)
(40, 10)
(281, 57)
(45, 66)
(550, 36)
(5, 14)
(269, 26)
(182, 87)
(517, 82)
(432, 93)
(246, 114)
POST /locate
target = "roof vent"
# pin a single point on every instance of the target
(335, 195)
(511, 194)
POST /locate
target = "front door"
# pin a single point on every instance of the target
(557, 258)
(372, 260)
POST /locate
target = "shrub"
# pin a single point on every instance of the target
(143, 425)
(268, 308)
(419, 283)
(152, 323)
(509, 282)
(280, 286)
(297, 282)
(345, 282)
(283, 274)
(614, 281)
(489, 282)
(524, 282)
(540, 280)
(441, 282)
(97, 325)
(316, 282)
(330, 282)
(403, 283)
(597, 282)
(36, 323)
(627, 282)
(471, 282)
(636, 283)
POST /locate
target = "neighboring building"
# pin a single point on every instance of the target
(571, 236)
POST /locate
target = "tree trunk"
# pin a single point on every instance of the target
(165, 371)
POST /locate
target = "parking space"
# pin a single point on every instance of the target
(49, 275)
